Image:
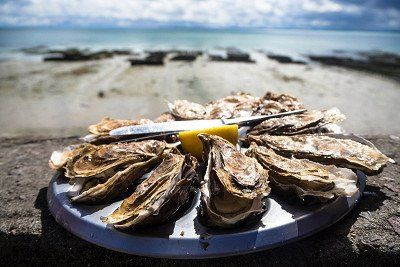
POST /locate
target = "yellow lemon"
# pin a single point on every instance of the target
(192, 144)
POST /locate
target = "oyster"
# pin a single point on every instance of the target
(91, 160)
(290, 102)
(304, 178)
(185, 110)
(234, 186)
(326, 149)
(58, 158)
(236, 105)
(103, 190)
(307, 122)
(160, 196)
(107, 124)
(166, 116)
(101, 173)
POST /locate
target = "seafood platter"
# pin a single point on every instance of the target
(240, 174)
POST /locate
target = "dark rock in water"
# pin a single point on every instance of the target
(233, 55)
(74, 54)
(121, 52)
(186, 55)
(387, 64)
(100, 94)
(285, 59)
(153, 58)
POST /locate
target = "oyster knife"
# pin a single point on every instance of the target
(173, 127)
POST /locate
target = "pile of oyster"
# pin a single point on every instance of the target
(295, 157)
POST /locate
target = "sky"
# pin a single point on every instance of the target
(319, 14)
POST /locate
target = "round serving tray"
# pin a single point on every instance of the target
(186, 237)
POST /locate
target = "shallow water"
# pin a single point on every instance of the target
(291, 42)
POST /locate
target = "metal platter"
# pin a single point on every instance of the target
(186, 237)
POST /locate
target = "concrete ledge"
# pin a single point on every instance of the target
(370, 234)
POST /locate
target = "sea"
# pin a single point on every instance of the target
(295, 43)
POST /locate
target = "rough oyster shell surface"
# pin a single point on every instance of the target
(307, 122)
(302, 177)
(287, 100)
(160, 196)
(234, 186)
(94, 160)
(185, 110)
(98, 191)
(166, 116)
(236, 105)
(107, 124)
(326, 149)
(239, 104)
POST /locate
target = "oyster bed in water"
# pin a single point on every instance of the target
(288, 155)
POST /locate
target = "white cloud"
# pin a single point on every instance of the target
(222, 13)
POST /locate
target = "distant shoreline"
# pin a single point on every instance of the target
(378, 62)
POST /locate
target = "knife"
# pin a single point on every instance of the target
(172, 127)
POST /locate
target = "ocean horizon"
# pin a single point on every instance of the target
(290, 42)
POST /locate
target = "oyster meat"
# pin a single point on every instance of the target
(307, 122)
(306, 179)
(326, 149)
(102, 173)
(234, 187)
(160, 196)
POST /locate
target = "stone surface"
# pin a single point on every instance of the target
(29, 234)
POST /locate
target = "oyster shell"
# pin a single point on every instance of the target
(107, 124)
(307, 122)
(304, 178)
(326, 149)
(59, 158)
(103, 160)
(102, 173)
(234, 186)
(103, 190)
(160, 196)
(185, 110)
(166, 116)
(236, 105)
(290, 102)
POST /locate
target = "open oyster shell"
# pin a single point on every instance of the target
(107, 124)
(103, 190)
(166, 116)
(307, 122)
(99, 133)
(304, 178)
(103, 160)
(160, 196)
(100, 174)
(236, 105)
(326, 149)
(288, 101)
(185, 110)
(234, 185)
(59, 158)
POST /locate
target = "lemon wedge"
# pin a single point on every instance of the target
(192, 144)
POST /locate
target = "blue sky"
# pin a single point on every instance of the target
(321, 14)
